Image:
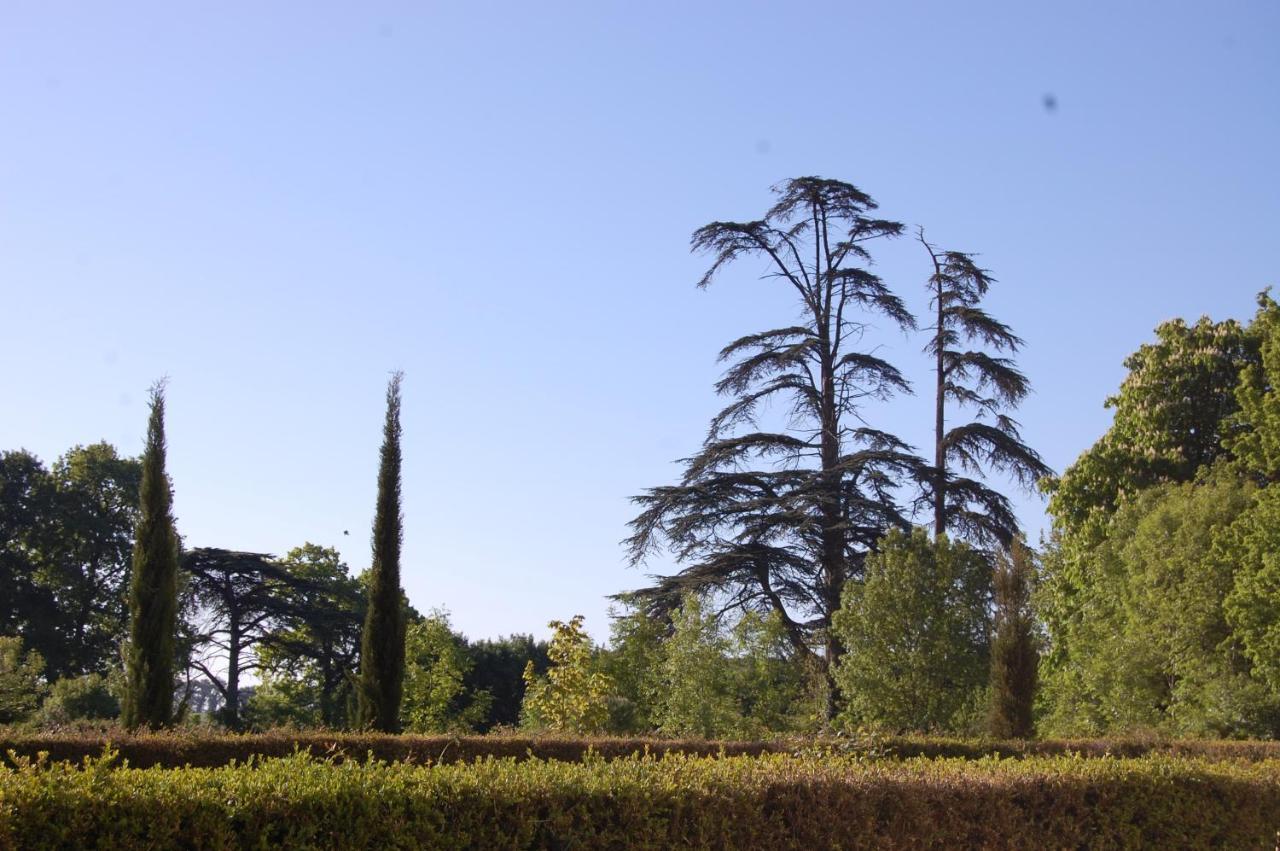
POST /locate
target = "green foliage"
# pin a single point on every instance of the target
(1139, 623)
(634, 663)
(309, 662)
(777, 690)
(153, 591)
(66, 535)
(758, 802)
(1255, 440)
(915, 631)
(436, 699)
(1015, 656)
(1252, 605)
(90, 697)
(497, 669)
(1173, 412)
(572, 696)
(22, 682)
(382, 650)
(281, 700)
(210, 747)
(695, 695)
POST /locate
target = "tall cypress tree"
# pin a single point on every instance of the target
(1014, 657)
(991, 384)
(382, 642)
(153, 588)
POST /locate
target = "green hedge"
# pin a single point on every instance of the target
(770, 802)
(203, 749)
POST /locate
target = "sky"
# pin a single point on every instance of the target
(275, 205)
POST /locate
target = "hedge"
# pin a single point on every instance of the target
(206, 749)
(770, 802)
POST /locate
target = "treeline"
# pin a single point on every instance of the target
(1160, 592)
(830, 573)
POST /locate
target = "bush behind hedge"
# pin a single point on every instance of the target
(211, 749)
(772, 801)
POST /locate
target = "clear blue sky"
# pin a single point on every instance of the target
(275, 204)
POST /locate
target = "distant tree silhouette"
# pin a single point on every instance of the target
(241, 598)
(780, 520)
(153, 589)
(971, 377)
(382, 642)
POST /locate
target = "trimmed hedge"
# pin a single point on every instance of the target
(735, 802)
(205, 750)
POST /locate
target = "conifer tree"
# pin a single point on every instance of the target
(1014, 657)
(153, 588)
(778, 519)
(382, 642)
(992, 384)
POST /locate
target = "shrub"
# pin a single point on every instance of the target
(86, 698)
(773, 802)
(21, 683)
(915, 631)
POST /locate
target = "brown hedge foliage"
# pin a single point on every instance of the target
(207, 750)
(772, 801)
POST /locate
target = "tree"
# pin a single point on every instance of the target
(1140, 625)
(28, 609)
(1174, 414)
(91, 697)
(916, 628)
(382, 642)
(436, 699)
(696, 695)
(572, 696)
(1253, 435)
(242, 599)
(634, 664)
(65, 545)
(1014, 655)
(1160, 532)
(153, 591)
(1252, 607)
(991, 384)
(497, 669)
(312, 655)
(22, 682)
(779, 520)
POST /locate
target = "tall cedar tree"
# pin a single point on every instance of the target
(970, 377)
(1015, 660)
(779, 520)
(241, 600)
(382, 642)
(153, 588)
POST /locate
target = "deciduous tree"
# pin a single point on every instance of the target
(917, 631)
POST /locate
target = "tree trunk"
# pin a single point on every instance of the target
(940, 451)
(231, 713)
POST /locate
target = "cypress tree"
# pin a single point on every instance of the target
(153, 588)
(1014, 657)
(382, 642)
